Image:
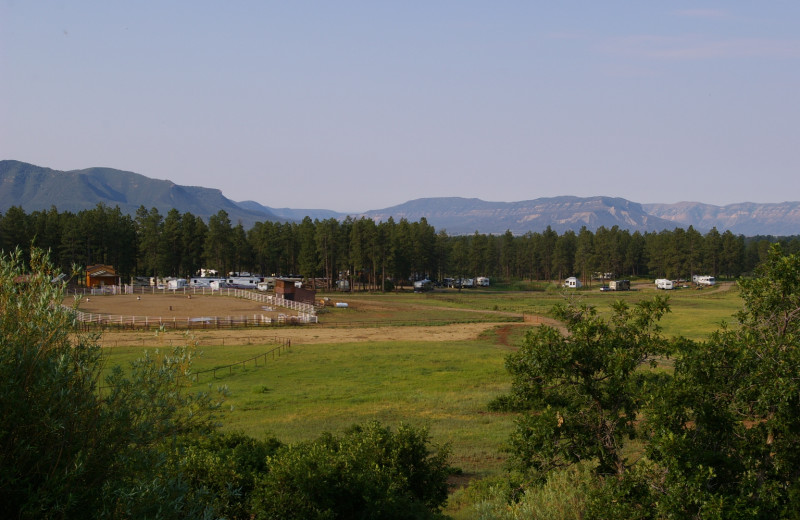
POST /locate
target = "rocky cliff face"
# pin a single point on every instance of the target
(746, 218)
(460, 216)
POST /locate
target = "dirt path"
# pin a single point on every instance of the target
(301, 335)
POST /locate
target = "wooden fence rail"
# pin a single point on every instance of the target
(279, 349)
(161, 341)
(88, 320)
(284, 345)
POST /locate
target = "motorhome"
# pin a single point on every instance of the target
(703, 280)
(244, 282)
(572, 283)
(202, 281)
(663, 283)
(482, 281)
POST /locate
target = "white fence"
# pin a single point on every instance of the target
(306, 313)
(227, 291)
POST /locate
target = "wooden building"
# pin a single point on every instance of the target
(288, 290)
(99, 275)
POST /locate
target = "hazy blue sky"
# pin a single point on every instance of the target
(363, 105)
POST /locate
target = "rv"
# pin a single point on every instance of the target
(483, 281)
(572, 283)
(202, 281)
(703, 280)
(244, 282)
(663, 283)
(620, 285)
(176, 283)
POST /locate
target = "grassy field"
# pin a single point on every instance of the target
(328, 387)
(411, 377)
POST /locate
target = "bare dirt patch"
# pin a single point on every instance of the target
(307, 334)
(178, 306)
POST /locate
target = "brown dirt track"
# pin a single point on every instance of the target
(299, 335)
(179, 306)
(158, 305)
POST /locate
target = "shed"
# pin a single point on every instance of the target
(288, 290)
(99, 275)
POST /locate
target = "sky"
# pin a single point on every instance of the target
(352, 106)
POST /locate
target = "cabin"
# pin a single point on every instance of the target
(100, 275)
(288, 290)
(572, 283)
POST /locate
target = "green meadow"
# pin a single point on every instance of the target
(328, 387)
(444, 386)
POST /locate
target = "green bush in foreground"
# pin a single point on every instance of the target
(69, 449)
(369, 472)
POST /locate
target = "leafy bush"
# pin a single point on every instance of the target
(68, 448)
(369, 472)
(563, 496)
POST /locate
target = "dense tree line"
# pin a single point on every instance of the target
(366, 252)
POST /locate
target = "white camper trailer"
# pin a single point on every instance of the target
(572, 283)
(663, 283)
(703, 280)
(483, 281)
(176, 283)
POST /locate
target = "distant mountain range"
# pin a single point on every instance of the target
(37, 188)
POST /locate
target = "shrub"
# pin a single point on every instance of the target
(369, 472)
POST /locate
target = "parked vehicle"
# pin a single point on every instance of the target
(176, 283)
(704, 280)
(572, 283)
(620, 285)
(663, 283)
(423, 285)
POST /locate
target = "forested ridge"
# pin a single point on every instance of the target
(179, 244)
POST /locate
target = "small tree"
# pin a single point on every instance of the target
(726, 434)
(582, 391)
(69, 449)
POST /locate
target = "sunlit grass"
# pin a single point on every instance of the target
(329, 387)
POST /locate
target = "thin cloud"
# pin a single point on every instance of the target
(697, 48)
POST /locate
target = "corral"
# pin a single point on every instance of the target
(183, 309)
